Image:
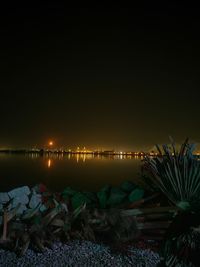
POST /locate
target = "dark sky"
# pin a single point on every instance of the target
(122, 78)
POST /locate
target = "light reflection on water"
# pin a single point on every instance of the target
(83, 157)
(83, 171)
(49, 163)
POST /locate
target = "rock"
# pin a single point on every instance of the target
(1, 207)
(116, 197)
(35, 200)
(136, 195)
(24, 190)
(43, 208)
(23, 199)
(21, 209)
(4, 198)
(127, 186)
(9, 207)
(1, 220)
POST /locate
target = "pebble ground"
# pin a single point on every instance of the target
(80, 253)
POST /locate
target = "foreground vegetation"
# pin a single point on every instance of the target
(164, 206)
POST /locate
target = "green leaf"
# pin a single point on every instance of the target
(68, 192)
(78, 211)
(67, 227)
(92, 196)
(37, 220)
(116, 197)
(136, 195)
(127, 186)
(79, 199)
(103, 196)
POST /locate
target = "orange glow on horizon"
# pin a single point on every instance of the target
(50, 143)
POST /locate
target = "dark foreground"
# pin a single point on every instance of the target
(80, 253)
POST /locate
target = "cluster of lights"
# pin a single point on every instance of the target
(86, 151)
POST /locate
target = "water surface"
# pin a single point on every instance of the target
(84, 172)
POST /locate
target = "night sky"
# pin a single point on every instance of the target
(122, 78)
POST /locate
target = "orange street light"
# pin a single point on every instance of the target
(50, 143)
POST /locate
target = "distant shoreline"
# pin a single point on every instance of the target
(43, 151)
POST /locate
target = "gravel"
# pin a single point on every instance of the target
(80, 253)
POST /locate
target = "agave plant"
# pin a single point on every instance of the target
(176, 173)
(182, 243)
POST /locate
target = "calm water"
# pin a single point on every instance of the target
(84, 172)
